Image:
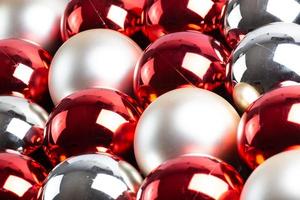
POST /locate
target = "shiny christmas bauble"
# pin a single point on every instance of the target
(244, 16)
(192, 177)
(90, 121)
(270, 125)
(168, 16)
(21, 177)
(179, 60)
(266, 57)
(277, 178)
(184, 121)
(92, 176)
(34, 20)
(21, 124)
(24, 70)
(93, 59)
(120, 15)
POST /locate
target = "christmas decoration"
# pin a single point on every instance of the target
(243, 16)
(270, 125)
(123, 16)
(90, 121)
(92, 59)
(277, 178)
(183, 121)
(92, 176)
(266, 57)
(34, 20)
(192, 177)
(180, 60)
(168, 16)
(21, 124)
(21, 177)
(24, 70)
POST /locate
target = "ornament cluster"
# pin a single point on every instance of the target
(149, 99)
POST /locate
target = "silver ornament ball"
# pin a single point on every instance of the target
(185, 121)
(21, 124)
(92, 176)
(266, 57)
(93, 59)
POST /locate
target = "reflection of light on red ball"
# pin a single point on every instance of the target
(91, 121)
(21, 177)
(270, 125)
(168, 16)
(178, 60)
(192, 177)
(24, 70)
(123, 16)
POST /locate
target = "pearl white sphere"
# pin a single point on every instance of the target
(185, 121)
(34, 20)
(277, 178)
(93, 59)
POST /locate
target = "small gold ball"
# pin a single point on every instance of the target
(243, 95)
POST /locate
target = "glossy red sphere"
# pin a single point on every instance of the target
(120, 15)
(192, 177)
(24, 70)
(270, 125)
(20, 177)
(90, 121)
(167, 16)
(180, 60)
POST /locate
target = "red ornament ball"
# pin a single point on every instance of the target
(24, 70)
(120, 15)
(90, 121)
(270, 125)
(168, 16)
(20, 178)
(192, 177)
(179, 60)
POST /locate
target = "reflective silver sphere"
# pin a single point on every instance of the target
(243, 16)
(92, 176)
(267, 56)
(21, 124)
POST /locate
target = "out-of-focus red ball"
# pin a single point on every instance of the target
(192, 177)
(89, 121)
(120, 15)
(20, 177)
(167, 16)
(24, 70)
(178, 60)
(270, 125)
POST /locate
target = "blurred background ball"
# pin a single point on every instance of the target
(277, 178)
(123, 16)
(92, 176)
(244, 16)
(21, 124)
(270, 125)
(179, 60)
(34, 20)
(183, 121)
(21, 177)
(90, 121)
(24, 70)
(168, 16)
(266, 57)
(92, 59)
(192, 177)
